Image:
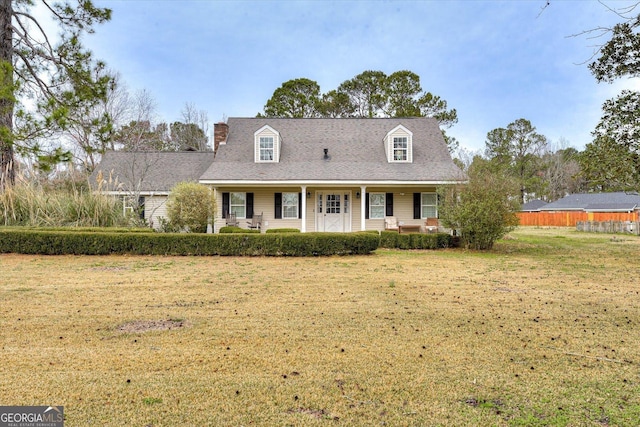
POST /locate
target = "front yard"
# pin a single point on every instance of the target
(543, 330)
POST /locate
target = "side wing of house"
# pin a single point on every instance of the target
(336, 175)
(144, 179)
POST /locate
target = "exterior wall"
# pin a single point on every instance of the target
(571, 218)
(155, 207)
(263, 202)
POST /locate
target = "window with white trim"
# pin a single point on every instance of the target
(238, 204)
(429, 205)
(266, 149)
(290, 205)
(376, 205)
(400, 148)
(398, 145)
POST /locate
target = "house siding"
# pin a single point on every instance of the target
(263, 200)
(155, 207)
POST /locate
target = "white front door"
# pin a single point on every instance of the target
(333, 212)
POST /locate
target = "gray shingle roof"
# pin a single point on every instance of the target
(619, 201)
(355, 146)
(149, 171)
(533, 205)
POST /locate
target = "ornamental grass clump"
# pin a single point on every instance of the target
(30, 204)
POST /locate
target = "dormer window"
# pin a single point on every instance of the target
(266, 148)
(398, 145)
(267, 145)
(400, 148)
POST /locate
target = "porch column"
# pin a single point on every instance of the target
(303, 226)
(363, 207)
(214, 220)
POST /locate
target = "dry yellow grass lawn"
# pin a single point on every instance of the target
(543, 330)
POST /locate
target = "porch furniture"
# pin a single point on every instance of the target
(256, 222)
(409, 228)
(232, 221)
(391, 223)
(431, 225)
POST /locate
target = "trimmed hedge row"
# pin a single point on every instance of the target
(81, 229)
(276, 244)
(392, 239)
(232, 229)
(283, 230)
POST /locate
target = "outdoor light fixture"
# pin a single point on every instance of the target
(308, 194)
(357, 194)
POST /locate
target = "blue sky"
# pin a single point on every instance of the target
(493, 61)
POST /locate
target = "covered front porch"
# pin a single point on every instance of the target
(327, 208)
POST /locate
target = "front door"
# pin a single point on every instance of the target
(333, 212)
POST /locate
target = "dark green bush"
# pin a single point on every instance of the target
(283, 230)
(276, 244)
(392, 239)
(232, 229)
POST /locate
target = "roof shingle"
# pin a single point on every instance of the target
(355, 147)
(149, 171)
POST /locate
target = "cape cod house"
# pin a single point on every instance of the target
(336, 175)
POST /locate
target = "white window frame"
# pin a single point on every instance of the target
(290, 203)
(403, 151)
(433, 204)
(381, 206)
(266, 147)
(264, 151)
(240, 209)
(395, 137)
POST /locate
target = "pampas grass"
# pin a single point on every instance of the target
(29, 203)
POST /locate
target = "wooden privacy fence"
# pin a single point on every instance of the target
(571, 218)
(609, 226)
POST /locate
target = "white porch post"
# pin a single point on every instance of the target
(303, 226)
(363, 207)
(214, 220)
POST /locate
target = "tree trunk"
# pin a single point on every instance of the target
(7, 100)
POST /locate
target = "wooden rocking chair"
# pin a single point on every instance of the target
(256, 222)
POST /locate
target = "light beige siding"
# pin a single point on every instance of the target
(263, 202)
(155, 207)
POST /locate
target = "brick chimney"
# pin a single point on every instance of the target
(220, 132)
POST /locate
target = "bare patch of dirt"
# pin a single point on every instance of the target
(139, 326)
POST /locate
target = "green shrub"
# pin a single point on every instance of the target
(247, 244)
(233, 229)
(394, 240)
(283, 230)
(482, 211)
(190, 206)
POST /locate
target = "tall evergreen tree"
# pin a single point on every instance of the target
(516, 150)
(60, 77)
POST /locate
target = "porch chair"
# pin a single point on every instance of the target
(391, 223)
(256, 222)
(431, 225)
(232, 221)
